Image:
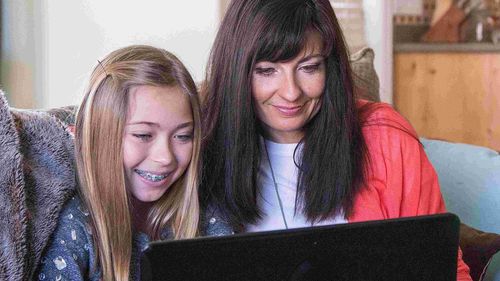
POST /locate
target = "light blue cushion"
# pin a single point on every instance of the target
(469, 176)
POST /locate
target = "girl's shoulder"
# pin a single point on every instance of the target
(75, 217)
(70, 253)
(214, 223)
(75, 210)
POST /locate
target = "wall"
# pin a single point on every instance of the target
(50, 46)
(65, 39)
(378, 28)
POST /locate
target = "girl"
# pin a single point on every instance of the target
(137, 146)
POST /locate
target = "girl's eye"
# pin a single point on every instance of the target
(142, 137)
(184, 137)
(311, 68)
(265, 71)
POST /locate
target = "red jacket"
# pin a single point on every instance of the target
(401, 181)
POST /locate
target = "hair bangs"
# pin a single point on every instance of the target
(284, 32)
(280, 46)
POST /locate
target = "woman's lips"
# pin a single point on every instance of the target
(288, 111)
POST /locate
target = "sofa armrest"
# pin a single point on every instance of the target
(469, 177)
(478, 249)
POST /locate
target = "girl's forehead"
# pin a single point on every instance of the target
(159, 105)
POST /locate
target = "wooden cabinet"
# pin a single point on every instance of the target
(451, 96)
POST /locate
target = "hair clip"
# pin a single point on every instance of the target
(104, 69)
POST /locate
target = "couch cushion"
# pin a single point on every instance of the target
(365, 77)
(469, 176)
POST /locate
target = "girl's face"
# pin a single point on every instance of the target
(157, 140)
(287, 95)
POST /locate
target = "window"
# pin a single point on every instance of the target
(351, 19)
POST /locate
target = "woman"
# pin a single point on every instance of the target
(137, 149)
(286, 144)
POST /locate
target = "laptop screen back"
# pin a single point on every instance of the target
(415, 248)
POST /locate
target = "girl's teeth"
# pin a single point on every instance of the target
(149, 176)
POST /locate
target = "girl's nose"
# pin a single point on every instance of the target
(162, 152)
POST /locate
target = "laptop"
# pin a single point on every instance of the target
(412, 248)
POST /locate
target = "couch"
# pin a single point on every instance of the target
(469, 177)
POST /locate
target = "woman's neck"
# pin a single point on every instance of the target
(293, 137)
(279, 136)
(139, 215)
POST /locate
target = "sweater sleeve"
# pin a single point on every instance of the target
(70, 253)
(401, 182)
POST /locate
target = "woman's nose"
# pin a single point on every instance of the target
(290, 89)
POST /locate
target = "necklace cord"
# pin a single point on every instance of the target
(275, 186)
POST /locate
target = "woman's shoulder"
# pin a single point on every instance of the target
(400, 181)
(379, 118)
(389, 137)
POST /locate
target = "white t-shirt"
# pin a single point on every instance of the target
(286, 175)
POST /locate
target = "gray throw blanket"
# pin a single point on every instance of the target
(37, 175)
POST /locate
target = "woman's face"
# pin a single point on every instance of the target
(287, 94)
(158, 140)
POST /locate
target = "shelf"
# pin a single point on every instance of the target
(446, 47)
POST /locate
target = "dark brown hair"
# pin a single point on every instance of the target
(331, 170)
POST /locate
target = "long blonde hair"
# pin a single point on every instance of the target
(100, 124)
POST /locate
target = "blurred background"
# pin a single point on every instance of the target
(48, 47)
(438, 61)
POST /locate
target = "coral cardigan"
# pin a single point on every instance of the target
(401, 181)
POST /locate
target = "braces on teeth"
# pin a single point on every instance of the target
(149, 176)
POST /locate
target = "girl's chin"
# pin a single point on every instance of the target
(148, 198)
(148, 193)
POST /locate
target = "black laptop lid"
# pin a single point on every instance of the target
(414, 248)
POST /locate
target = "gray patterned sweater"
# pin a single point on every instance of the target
(71, 251)
(71, 254)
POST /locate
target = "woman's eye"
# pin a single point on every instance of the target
(311, 68)
(142, 137)
(265, 71)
